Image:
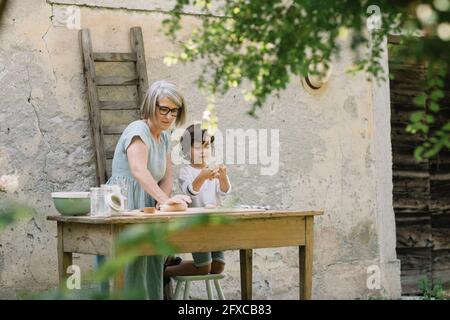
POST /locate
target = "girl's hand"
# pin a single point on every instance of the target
(209, 173)
(222, 172)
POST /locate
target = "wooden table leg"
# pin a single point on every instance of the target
(118, 280)
(64, 258)
(306, 261)
(246, 258)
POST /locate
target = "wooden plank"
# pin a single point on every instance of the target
(116, 81)
(410, 280)
(411, 187)
(119, 278)
(441, 163)
(421, 204)
(411, 174)
(88, 239)
(94, 110)
(241, 234)
(415, 259)
(405, 90)
(133, 217)
(405, 208)
(111, 142)
(109, 154)
(441, 231)
(406, 161)
(399, 134)
(408, 217)
(246, 263)
(414, 236)
(306, 261)
(137, 46)
(114, 129)
(109, 167)
(118, 105)
(438, 207)
(415, 265)
(441, 268)
(441, 238)
(414, 232)
(404, 147)
(406, 202)
(114, 56)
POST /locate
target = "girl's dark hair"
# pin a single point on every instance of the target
(193, 133)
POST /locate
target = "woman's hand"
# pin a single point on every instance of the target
(176, 203)
(179, 199)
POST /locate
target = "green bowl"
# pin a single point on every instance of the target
(72, 203)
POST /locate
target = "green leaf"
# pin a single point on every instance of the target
(436, 95)
(420, 100)
(417, 116)
(411, 129)
(422, 127)
(432, 152)
(12, 211)
(115, 265)
(429, 118)
(270, 42)
(446, 127)
(418, 153)
(434, 106)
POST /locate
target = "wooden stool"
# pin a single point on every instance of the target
(207, 278)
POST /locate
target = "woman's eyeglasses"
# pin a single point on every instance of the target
(163, 110)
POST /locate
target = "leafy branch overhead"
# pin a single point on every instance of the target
(260, 45)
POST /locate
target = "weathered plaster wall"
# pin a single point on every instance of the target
(334, 152)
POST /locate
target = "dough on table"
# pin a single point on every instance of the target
(173, 207)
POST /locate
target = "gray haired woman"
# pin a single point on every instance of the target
(143, 168)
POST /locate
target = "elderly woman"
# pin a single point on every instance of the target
(142, 167)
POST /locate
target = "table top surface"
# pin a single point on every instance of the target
(137, 216)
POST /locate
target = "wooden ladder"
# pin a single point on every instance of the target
(94, 82)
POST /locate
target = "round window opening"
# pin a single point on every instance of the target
(316, 84)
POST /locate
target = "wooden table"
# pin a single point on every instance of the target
(252, 229)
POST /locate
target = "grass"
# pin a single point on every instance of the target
(432, 292)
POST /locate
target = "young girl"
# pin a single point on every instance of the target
(205, 184)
